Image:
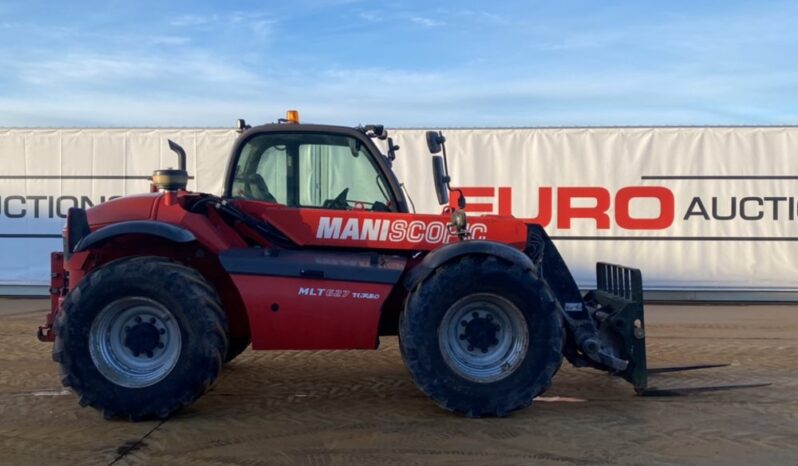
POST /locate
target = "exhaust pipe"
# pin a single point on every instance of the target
(181, 154)
(171, 179)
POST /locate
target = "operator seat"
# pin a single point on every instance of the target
(255, 188)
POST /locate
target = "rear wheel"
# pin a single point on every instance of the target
(140, 338)
(135, 341)
(481, 336)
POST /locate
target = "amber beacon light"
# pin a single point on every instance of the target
(292, 116)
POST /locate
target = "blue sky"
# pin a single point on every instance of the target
(466, 63)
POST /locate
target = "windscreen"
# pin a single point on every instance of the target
(310, 170)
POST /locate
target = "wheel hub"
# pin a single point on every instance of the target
(483, 337)
(135, 342)
(143, 338)
(480, 332)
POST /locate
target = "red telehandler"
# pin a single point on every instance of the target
(312, 246)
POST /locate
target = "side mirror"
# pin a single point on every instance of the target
(242, 125)
(441, 179)
(376, 131)
(392, 148)
(435, 141)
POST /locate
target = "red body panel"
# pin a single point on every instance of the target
(123, 209)
(163, 207)
(311, 313)
(213, 236)
(291, 313)
(380, 230)
(57, 292)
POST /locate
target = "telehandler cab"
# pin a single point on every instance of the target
(312, 246)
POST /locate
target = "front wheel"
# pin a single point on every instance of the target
(481, 336)
(140, 338)
(236, 346)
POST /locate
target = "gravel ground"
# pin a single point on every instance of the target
(348, 407)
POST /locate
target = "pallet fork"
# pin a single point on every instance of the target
(617, 307)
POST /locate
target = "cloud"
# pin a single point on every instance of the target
(426, 22)
(614, 65)
(169, 40)
(484, 15)
(201, 89)
(371, 17)
(133, 72)
(258, 24)
(262, 28)
(589, 40)
(192, 20)
(85, 68)
(355, 78)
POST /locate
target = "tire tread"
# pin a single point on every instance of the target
(418, 360)
(179, 280)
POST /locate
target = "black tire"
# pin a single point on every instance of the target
(236, 346)
(198, 320)
(474, 277)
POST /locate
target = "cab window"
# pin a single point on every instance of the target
(311, 170)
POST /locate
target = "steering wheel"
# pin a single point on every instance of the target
(339, 203)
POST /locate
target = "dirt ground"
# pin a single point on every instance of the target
(320, 408)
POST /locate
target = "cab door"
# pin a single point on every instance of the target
(308, 298)
(310, 170)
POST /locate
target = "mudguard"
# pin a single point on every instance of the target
(137, 227)
(452, 251)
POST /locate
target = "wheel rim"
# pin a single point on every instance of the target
(135, 342)
(483, 337)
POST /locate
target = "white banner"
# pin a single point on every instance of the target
(694, 208)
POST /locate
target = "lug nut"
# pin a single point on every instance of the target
(136, 353)
(162, 331)
(470, 348)
(489, 316)
(138, 319)
(160, 345)
(149, 354)
(462, 336)
(484, 350)
(152, 320)
(463, 323)
(475, 314)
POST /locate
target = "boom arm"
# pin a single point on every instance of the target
(601, 326)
